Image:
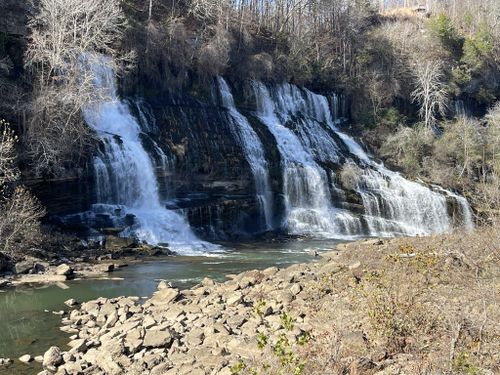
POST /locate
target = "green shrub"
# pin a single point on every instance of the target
(442, 27)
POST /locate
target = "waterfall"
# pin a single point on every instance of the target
(254, 154)
(307, 196)
(395, 205)
(126, 183)
(303, 125)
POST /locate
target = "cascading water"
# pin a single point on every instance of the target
(395, 205)
(392, 204)
(126, 183)
(254, 153)
(314, 153)
(306, 192)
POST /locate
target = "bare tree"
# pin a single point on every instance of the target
(20, 211)
(63, 34)
(8, 168)
(63, 30)
(19, 222)
(430, 92)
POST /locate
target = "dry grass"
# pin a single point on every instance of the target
(410, 306)
(400, 14)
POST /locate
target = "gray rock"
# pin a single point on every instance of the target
(78, 345)
(207, 282)
(5, 361)
(296, 289)
(234, 299)
(109, 355)
(157, 339)
(114, 243)
(165, 296)
(194, 338)
(24, 266)
(163, 285)
(52, 358)
(73, 368)
(71, 302)
(64, 270)
(68, 357)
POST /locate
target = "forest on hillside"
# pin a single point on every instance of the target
(422, 80)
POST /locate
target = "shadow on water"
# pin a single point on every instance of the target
(26, 329)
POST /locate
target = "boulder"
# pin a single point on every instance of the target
(109, 355)
(5, 361)
(24, 266)
(157, 339)
(78, 345)
(234, 299)
(71, 302)
(64, 270)
(52, 358)
(296, 289)
(163, 285)
(165, 296)
(115, 243)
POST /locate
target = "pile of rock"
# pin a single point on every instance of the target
(204, 330)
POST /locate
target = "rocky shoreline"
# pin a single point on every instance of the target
(76, 262)
(314, 316)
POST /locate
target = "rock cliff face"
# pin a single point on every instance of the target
(207, 174)
(282, 163)
(211, 178)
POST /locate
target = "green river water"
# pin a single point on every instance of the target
(26, 329)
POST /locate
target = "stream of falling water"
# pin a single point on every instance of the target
(254, 153)
(126, 182)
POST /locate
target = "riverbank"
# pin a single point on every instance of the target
(74, 261)
(406, 305)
